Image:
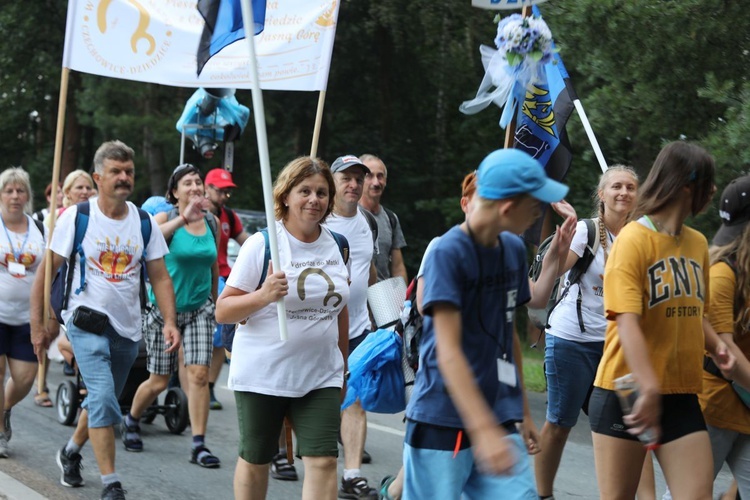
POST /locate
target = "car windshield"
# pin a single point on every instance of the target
(252, 221)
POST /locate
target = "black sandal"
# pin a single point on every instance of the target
(203, 457)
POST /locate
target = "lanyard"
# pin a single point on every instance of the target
(25, 239)
(504, 349)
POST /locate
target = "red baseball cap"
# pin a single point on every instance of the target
(220, 178)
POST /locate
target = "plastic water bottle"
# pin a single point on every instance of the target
(627, 392)
(405, 312)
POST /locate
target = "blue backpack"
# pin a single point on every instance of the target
(227, 330)
(63, 282)
(376, 377)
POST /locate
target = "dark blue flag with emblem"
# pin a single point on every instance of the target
(540, 126)
(223, 25)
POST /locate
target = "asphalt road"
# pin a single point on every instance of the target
(162, 470)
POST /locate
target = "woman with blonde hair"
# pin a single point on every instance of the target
(22, 244)
(574, 335)
(77, 187)
(302, 377)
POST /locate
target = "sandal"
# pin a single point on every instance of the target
(42, 399)
(203, 457)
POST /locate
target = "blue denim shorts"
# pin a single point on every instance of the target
(104, 361)
(432, 473)
(570, 368)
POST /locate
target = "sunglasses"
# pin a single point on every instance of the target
(182, 167)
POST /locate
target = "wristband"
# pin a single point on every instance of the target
(184, 219)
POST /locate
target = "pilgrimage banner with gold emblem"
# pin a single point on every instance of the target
(156, 41)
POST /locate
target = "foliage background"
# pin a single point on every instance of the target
(647, 72)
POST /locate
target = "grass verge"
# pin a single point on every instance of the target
(533, 369)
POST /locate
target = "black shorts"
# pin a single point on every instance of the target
(680, 415)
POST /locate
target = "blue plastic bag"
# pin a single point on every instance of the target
(375, 375)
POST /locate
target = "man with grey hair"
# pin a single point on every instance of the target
(360, 229)
(389, 261)
(103, 316)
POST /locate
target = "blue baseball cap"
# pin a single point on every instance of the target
(156, 204)
(506, 173)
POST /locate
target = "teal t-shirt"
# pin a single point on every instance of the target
(189, 264)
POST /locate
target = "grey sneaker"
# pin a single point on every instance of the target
(6, 424)
(113, 491)
(71, 466)
(3, 445)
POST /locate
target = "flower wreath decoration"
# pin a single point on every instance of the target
(524, 46)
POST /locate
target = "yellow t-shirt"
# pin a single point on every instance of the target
(666, 284)
(721, 405)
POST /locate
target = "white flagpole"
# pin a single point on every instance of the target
(265, 163)
(590, 134)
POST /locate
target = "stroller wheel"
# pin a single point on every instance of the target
(67, 402)
(176, 414)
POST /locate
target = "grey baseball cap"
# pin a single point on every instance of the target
(343, 162)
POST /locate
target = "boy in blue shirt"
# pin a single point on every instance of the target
(459, 436)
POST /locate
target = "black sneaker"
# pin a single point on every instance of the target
(113, 491)
(366, 458)
(357, 487)
(6, 424)
(70, 465)
(68, 369)
(131, 436)
(282, 469)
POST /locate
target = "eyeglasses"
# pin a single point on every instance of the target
(222, 192)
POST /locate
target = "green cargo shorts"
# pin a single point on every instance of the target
(315, 418)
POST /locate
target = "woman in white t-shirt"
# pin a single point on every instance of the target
(301, 377)
(575, 334)
(21, 249)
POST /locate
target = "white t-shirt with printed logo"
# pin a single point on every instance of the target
(357, 231)
(15, 288)
(113, 251)
(564, 318)
(318, 291)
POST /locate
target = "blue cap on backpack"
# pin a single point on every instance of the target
(156, 204)
(506, 173)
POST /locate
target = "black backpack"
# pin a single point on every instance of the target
(541, 316)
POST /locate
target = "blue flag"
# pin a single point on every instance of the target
(224, 25)
(540, 125)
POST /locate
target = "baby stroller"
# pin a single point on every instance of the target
(175, 408)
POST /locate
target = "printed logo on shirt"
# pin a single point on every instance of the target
(675, 277)
(115, 261)
(225, 228)
(26, 259)
(332, 298)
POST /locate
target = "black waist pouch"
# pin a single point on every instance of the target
(89, 320)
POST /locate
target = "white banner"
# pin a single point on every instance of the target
(504, 4)
(157, 40)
